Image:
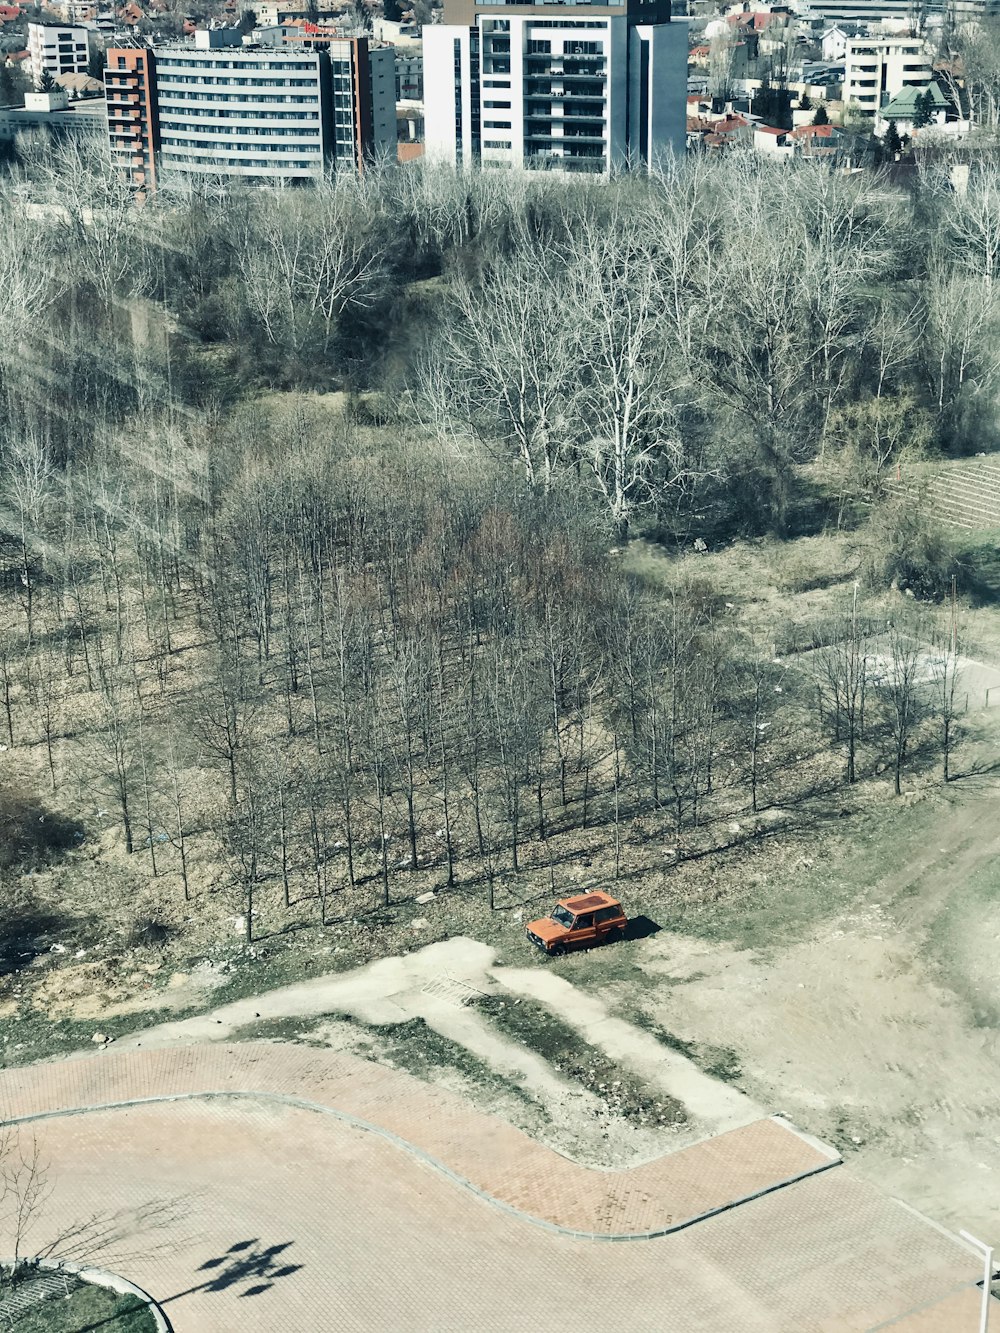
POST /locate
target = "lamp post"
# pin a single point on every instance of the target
(987, 1252)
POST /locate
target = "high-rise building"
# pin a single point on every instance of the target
(570, 86)
(56, 50)
(264, 113)
(129, 82)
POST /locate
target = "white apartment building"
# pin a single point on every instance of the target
(877, 68)
(572, 87)
(59, 50)
(898, 14)
(271, 114)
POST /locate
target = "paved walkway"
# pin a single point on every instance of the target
(489, 1155)
(268, 1208)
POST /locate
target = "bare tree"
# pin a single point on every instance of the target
(844, 667)
(900, 692)
(25, 1188)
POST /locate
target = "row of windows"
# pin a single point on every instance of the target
(221, 163)
(213, 146)
(496, 124)
(497, 106)
(229, 131)
(214, 99)
(224, 113)
(175, 63)
(497, 143)
(167, 76)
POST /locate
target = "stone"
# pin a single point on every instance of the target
(425, 897)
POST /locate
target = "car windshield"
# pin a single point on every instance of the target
(562, 918)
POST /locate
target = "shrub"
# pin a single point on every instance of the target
(905, 548)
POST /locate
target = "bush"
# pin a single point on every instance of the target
(905, 548)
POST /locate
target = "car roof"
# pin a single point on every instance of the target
(588, 902)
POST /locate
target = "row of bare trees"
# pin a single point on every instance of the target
(306, 662)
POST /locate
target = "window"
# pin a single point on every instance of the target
(497, 106)
(496, 124)
(496, 143)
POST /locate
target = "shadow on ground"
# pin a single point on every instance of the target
(640, 928)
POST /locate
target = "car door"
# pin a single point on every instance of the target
(584, 931)
(603, 919)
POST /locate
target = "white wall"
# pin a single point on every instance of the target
(439, 90)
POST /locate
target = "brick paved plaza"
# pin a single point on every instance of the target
(251, 1211)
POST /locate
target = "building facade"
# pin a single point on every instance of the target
(225, 110)
(56, 50)
(133, 128)
(267, 114)
(572, 87)
(877, 68)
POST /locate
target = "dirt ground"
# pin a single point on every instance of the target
(880, 1030)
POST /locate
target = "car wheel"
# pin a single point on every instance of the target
(557, 950)
(613, 936)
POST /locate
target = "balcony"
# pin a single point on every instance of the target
(567, 140)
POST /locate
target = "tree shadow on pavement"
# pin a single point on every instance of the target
(246, 1264)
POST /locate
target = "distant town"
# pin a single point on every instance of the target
(279, 94)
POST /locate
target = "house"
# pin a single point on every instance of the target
(773, 141)
(718, 132)
(833, 44)
(80, 85)
(904, 111)
(816, 140)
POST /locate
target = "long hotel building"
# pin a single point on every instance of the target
(566, 86)
(217, 107)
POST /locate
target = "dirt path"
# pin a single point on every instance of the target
(435, 984)
(714, 1104)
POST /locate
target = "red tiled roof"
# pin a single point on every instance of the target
(814, 132)
(699, 51)
(17, 55)
(770, 129)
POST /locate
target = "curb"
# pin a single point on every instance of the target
(100, 1277)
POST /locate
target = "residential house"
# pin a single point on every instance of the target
(833, 44)
(903, 109)
(816, 140)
